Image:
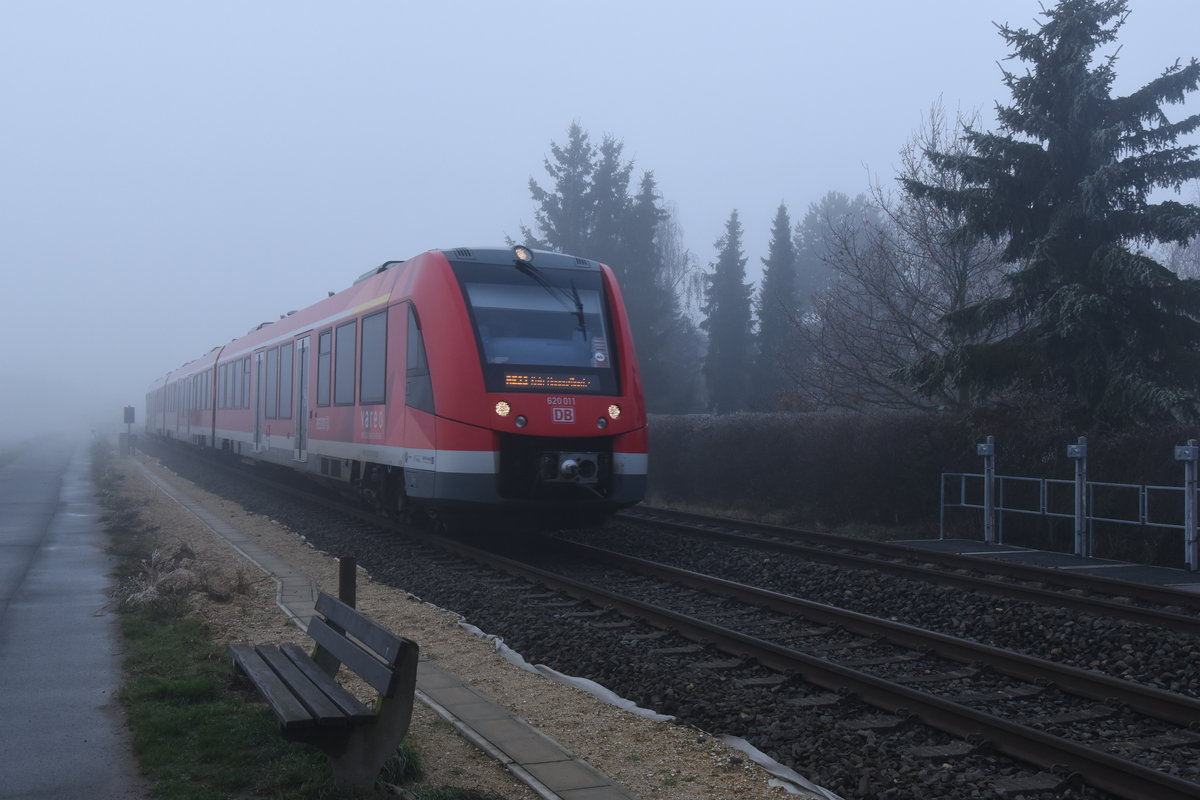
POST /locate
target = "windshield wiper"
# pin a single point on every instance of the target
(571, 302)
(579, 311)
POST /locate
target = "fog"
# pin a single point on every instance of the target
(174, 173)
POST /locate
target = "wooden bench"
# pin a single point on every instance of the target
(312, 707)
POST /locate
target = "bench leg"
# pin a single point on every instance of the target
(369, 746)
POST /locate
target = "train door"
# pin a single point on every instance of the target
(191, 407)
(259, 400)
(180, 413)
(301, 373)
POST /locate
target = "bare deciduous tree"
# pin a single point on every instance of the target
(895, 281)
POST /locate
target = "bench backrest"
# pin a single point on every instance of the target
(372, 654)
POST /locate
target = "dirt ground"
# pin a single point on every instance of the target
(650, 759)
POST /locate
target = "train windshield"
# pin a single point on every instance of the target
(543, 330)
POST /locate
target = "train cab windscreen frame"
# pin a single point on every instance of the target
(540, 329)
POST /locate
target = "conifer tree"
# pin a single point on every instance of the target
(608, 202)
(778, 299)
(563, 214)
(1066, 183)
(667, 342)
(728, 322)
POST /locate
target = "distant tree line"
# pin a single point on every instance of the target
(1005, 270)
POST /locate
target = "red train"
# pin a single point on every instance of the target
(465, 378)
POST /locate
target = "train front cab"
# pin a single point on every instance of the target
(549, 413)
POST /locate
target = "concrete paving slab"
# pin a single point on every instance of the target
(567, 775)
(1138, 573)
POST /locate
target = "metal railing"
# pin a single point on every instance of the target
(1000, 497)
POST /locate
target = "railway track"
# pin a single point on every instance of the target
(899, 678)
(1163, 607)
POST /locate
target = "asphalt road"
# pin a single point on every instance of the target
(62, 731)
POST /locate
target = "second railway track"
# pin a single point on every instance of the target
(1164, 607)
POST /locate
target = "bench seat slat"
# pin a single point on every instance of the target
(349, 705)
(387, 644)
(290, 712)
(370, 669)
(314, 698)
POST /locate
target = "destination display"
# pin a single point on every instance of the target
(536, 381)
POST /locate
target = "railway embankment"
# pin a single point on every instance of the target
(652, 759)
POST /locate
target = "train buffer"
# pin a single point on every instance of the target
(313, 707)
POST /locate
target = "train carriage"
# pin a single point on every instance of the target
(467, 378)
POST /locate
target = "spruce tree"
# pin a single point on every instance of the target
(728, 322)
(664, 335)
(778, 299)
(608, 203)
(1066, 183)
(563, 214)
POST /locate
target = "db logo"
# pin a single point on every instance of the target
(560, 414)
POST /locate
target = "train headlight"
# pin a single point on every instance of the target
(521, 421)
(523, 253)
(614, 411)
(601, 423)
(503, 409)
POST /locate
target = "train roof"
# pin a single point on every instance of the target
(338, 302)
(504, 255)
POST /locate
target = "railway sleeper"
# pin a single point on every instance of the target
(1167, 740)
(942, 751)
(873, 722)
(1091, 714)
(1014, 693)
(1019, 785)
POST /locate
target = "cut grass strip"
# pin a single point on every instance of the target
(195, 736)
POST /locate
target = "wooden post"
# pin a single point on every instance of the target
(347, 580)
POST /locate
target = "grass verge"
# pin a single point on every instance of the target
(195, 736)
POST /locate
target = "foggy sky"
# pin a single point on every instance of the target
(174, 173)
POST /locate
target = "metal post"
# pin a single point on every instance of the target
(942, 509)
(1189, 454)
(988, 451)
(1083, 543)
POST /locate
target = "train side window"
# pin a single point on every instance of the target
(344, 347)
(324, 361)
(418, 387)
(285, 380)
(271, 380)
(245, 382)
(373, 371)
